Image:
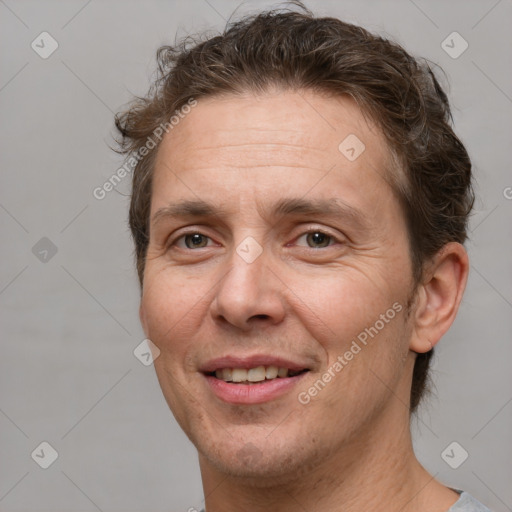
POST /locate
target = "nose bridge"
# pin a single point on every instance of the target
(248, 291)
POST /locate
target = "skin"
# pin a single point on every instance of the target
(350, 447)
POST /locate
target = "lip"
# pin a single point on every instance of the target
(256, 393)
(252, 362)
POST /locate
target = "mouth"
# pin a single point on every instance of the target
(254, 375)
(254, 380)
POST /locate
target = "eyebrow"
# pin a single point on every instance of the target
(333, 207)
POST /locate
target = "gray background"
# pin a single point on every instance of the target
(68, 375)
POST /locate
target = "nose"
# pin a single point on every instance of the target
(248, 295)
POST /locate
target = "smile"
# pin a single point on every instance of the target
(255, 379)
(253, 375)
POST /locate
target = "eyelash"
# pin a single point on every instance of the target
(311, 231)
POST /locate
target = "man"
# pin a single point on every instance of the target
(299, 207)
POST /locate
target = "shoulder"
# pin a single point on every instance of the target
(466, 503)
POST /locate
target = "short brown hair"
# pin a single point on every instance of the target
(298, 51)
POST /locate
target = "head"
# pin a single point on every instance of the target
(327, 200)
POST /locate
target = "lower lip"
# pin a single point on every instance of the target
(256, 393)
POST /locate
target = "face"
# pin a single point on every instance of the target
(275, 244)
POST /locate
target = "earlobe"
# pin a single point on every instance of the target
(439, 296)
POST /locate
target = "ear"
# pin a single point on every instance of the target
(439, 296)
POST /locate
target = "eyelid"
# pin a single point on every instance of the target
(314, 229)
(305, 231)
(171, 241)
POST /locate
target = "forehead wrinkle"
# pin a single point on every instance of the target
(251, 166)
(256, 144)
(273, 154)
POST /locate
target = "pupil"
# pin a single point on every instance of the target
(196, 239)
(319, 238)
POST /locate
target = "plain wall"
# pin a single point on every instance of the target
(69, 325)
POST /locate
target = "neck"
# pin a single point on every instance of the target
(375, 471)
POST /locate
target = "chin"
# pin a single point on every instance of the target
(262, 463)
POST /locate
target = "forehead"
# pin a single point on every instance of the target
(271, 144)
(304, 124)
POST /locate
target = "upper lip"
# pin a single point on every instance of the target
(252, 362)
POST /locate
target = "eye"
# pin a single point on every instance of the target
(317, 239)
(192, 241)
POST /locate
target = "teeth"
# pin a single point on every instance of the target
(272, 372)
(239, 375)
(282, 372)
(258, 374)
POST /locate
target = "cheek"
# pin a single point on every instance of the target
(340, 304)
(171, 305)
(358, 320)
(171, 310)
